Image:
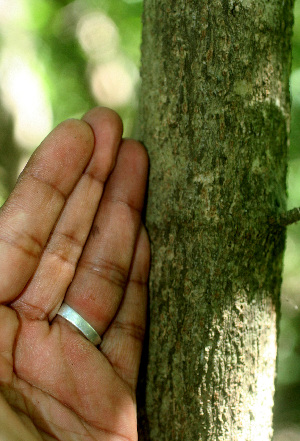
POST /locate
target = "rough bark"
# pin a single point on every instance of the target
(215, 118)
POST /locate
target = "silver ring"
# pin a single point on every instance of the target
(82, 325)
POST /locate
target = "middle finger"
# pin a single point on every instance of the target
(50, 281)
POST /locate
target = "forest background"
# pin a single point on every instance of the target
(59, 58)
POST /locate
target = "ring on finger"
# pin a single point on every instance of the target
(82, 325)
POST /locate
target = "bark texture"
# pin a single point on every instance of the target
(214, 117)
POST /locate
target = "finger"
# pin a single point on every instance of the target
(106, 124)
(122, 342)
(9, 324)
(55, 272)
(102, 271)
(30, 213)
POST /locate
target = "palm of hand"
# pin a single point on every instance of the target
(93, 256)
(66, 389)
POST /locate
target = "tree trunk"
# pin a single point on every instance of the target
(9, 155)
(215, 118)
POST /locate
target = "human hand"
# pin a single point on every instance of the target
(58, 244)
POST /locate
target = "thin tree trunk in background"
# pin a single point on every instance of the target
(215, 117)
(9, 155)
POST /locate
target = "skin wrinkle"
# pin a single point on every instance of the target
(64, 259)
(55, 189)
(124, 203)
(140, 282)
(95, 178)
(27, 251)
(137, 332)
(95, 230)
(119, 367)
(25, 419)
(69, 237)
(109, 432)
(39, 426)
(107, 270)
(27, 310)
(112, 364)
(34, 240)
(84, 422)
(30, 412)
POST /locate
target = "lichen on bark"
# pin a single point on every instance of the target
(215, 119)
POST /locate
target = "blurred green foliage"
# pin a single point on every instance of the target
(57, 60)
(287, 397)
(64, 63)
(59, 48)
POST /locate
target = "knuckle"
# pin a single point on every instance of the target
(24, 241)
(131, 329)
(108, 270)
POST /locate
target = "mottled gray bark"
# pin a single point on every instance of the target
(215, 116)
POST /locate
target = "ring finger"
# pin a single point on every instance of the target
(101, 275)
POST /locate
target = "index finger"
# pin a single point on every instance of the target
(30, 213)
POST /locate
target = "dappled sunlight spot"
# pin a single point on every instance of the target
(291, 248)
(291, 257)
(287, 341)
(290, 293)
(11, 10)
(112, 83)
(295, 86)
(24, 97)
(293, 181)
(262, 404)
(112, 76)
(98, 36)
(288, 368)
